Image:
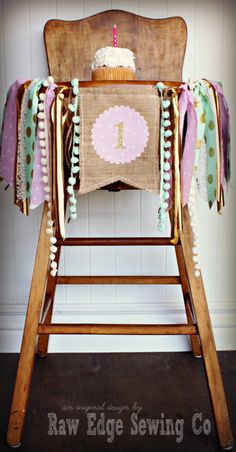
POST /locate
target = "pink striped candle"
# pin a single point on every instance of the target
(114, 36)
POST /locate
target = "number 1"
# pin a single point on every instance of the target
(120, 126)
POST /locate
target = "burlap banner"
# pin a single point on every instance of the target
(119, 137)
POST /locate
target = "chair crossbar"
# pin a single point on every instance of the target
(118, 329)
(116, 241)
(118, 280)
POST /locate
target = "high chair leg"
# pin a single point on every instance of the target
(43, 339)
(194, 339)
(28, 347)
(212, 368)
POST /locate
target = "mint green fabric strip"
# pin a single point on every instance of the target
(198, 105)
(30, 132)
(211, 143)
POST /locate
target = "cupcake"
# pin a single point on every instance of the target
(113, 63)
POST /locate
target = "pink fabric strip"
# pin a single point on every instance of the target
(225, 132)
(9, 135)
(38, 193)
(186, 106)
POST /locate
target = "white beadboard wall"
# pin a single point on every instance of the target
(210, 54)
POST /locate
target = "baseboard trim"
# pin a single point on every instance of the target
(223, 317)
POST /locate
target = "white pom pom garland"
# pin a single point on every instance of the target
(165, 155)
(44, 147)
(194, 224)
(75, 149)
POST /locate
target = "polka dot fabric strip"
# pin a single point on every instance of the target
(9, 135)
(30, 132)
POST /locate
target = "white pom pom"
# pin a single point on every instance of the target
(167, 154)
(43, 152)
(165, 205)
(45, 83)
(41, 134)
(41, 107)
(70, 190)
(71, 107)
(193, 223)
(41, 125)
(44, 170)
(53, 265)
(42, 143)
(44, 161)
(45, 179)
(41, 115)
(166, 195)
(53, 249)
(72, 180)
(52, 256)
(42, 96)
(49, 205)
(197, 273)
(53, 240)
(50, 223)
(47, 197)
(166, 186)
(50, 79)
(73, 200)
(49, 231)
(72, 208)
(53, 272)
(75, 170)
(49, 214)
(74, 159)
(47, 188)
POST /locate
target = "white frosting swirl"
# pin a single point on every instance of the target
(113, 57)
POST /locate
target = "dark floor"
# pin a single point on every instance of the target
(143, 385)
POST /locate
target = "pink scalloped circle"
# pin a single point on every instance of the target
(120, 134)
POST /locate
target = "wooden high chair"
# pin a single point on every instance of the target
(159, 47)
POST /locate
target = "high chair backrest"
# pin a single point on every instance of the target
(158, 44)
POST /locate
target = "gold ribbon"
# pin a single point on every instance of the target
(219, 188)
(177, 225)
(58, 185)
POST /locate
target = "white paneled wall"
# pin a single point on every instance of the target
(210, 54)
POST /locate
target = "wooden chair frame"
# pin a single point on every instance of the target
(38, 323)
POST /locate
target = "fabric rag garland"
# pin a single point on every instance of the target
(206, 149)
(204, 107)
(194, 116)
